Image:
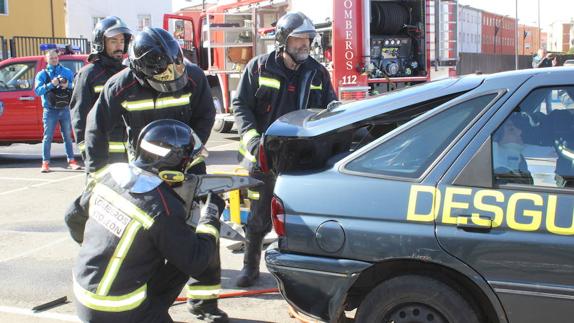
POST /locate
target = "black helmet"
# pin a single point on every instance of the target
(293, 24)
(155, 56)
(167, 145)
(109, 27)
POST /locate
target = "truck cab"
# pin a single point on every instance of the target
(20, 109)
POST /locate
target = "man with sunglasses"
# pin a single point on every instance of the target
(158, 84)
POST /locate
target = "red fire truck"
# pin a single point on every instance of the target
(369, 46)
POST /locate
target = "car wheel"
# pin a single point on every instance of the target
(220, 125)
(415, 299)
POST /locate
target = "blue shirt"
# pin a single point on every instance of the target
(43, 82)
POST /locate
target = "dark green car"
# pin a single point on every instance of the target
(445, 202)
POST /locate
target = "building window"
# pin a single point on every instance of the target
(95, 21)
(3, 7)
(144, 21)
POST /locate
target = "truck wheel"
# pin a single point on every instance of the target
(415, 299)
(220, 125)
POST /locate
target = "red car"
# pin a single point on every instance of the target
(20, 108)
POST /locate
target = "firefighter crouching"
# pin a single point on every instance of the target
(110, 41)
(137, 251)
(272, 85)
(158, 84)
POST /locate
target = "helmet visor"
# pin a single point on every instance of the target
(111, 32)
(171, 80)
(305, 30)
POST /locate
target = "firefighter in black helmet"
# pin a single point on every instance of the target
(110, 41)
(159, 84)
(272, 85)
(137, 251)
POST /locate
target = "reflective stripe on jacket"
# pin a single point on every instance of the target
(261, 92)
(128, 237)
(125, 99)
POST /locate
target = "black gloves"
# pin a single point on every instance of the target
(211, 211)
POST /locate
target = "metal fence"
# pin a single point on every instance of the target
(3, 48)
(20, 46)
(487, 63)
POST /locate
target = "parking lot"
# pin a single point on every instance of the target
(38, 254)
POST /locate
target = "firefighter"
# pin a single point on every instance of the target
(137, 251)
(272, 85)
(110, 41)
(158, 84)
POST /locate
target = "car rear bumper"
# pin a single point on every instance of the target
(316, 286)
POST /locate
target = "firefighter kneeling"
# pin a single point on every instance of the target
(137, 251)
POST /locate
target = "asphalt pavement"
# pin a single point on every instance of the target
(38, 254)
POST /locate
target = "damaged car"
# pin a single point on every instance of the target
(444, 202)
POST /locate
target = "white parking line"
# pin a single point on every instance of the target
(231, 145)
(26, 179)
(41, 184)
(29, 252)
(27, 312)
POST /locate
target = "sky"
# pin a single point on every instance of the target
(550, 10)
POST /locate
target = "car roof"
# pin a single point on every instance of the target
(310, 123)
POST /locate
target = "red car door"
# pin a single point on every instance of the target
(19, 119)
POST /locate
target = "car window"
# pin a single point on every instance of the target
(535, 143)
(409, 153)
(74, 65)
(18, 76)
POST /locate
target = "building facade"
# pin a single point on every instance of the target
(498, 34)
(528, 39)
(469, 30)
(38, 18)
(137, 14)
(559, 37)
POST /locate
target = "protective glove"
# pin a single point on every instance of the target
(211, 211)
(253, 146)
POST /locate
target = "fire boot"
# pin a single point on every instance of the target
(250, 271)
(207, 311)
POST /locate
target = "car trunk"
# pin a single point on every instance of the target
(314, 139)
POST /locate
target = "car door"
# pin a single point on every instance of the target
(19, 119)
(505, 208)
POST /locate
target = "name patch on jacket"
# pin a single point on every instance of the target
(110, 217)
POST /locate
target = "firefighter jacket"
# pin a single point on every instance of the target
(126, 99)
(266, 91)
(129, 234)
(88, 84)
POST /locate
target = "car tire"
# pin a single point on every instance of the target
(220, 125)
(413, 298)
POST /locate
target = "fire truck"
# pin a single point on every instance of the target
(369, 46)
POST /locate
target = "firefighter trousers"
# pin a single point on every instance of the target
(204, 290)
(162, 291)
(259, 221)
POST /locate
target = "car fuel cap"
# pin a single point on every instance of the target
(330, 236)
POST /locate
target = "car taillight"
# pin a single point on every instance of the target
(262, 159)
(278, 216)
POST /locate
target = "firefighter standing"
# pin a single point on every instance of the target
(157, 85)
(137, 251)
(272, 85)
(110, 41)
